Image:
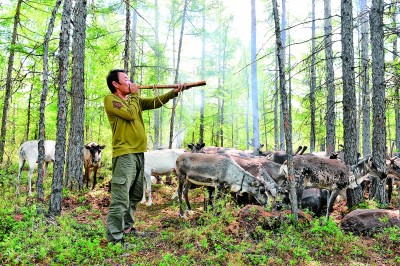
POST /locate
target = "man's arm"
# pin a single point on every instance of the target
(156, 102)
(116, 107)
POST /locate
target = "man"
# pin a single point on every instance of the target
(129, 141)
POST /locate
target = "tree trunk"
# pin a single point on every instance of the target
(349, 94)
(43, 98)
(127, 33)
(74, 176)
(378, 94)
(7, 94)
(364, 75)
(396, 75)
(156, 112)
(254, 82)
(133, 43)
(247, 111)
(203, 72)
(330, 82)
(28, 114)
(287, 119)
(171, 129)
(276, 106)
(313, 79)
(57, 185)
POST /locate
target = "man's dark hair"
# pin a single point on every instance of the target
(113, 76)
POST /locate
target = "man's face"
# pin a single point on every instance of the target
(124, 85)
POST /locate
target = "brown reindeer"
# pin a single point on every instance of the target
(216, 171)
(91, 159)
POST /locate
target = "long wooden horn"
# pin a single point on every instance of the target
(173, 86)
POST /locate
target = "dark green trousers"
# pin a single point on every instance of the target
(126, 193)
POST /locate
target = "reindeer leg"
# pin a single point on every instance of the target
(389, 182)
(148, 180)
(94, 176)
(144, 190)
(21, 166)
(31, 168)
(331, 200)
(168, 179)
(211, 191)
(180, 189)
(87, 177)
(185, 194)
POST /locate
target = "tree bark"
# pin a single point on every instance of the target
(287, 119)
(313, 79)
(127, 34)
(156, 112)
(9, 81)
(396, 75)
(364, 75)
(349, 93)
(330, 82)
(276, 106)
(28, 114)
(133, 43)
(74, 176)
(43, 98)
(254, 82)
(203, 57)
(57, 185)
(378, 94)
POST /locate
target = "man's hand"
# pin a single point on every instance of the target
(181, 87)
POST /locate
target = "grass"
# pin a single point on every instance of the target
(221, 236)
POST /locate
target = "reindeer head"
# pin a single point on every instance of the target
(367, 166)
(258, 190)
(196, 148)
(95, 151)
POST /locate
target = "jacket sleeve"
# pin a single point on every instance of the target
(156, 102)
(119, 108)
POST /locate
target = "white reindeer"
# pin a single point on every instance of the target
(159, 162)
(28, 151)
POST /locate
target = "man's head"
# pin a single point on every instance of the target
(113, 76)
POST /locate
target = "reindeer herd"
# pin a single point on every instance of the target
(29, 152)
(251, 177)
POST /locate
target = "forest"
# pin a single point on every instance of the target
(277, 75)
